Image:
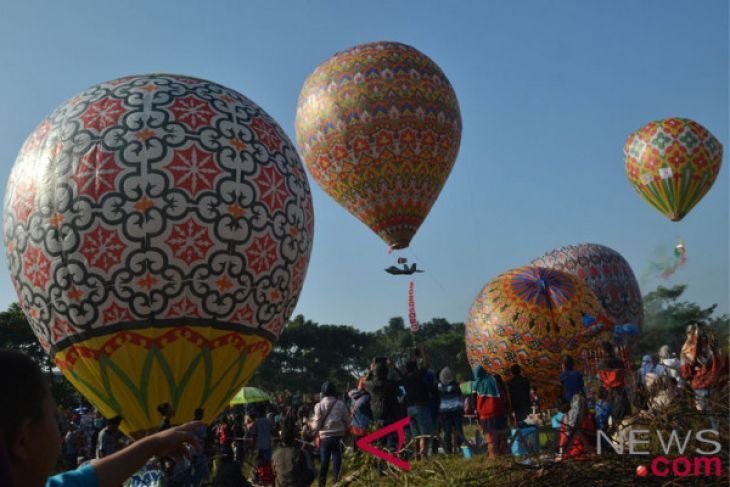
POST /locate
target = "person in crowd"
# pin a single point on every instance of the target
(228, 473)
(573, 396)
(262, 429)
(239, 427)
(518, 387)
(223, 436)
(97, 424)
(647, 366)
(30, 441)
(434, 402)
(292, 467)
(110, 438)
(331, 421)
(360, 412)
(71, 447)
(165, 411)
(263, 471)
(669, 365)
(450, 410)
(612, 372)
(418, 394)
(534, 399)
(704, 365)
(384, 404)
(198, 457)
(491, 408)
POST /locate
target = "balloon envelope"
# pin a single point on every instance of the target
(531, 316)
(158, 229)
(608, 275)
(379, 127)
(672, 164)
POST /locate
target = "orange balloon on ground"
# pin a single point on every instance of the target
(531, 316)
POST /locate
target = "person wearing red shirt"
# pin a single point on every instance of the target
(491, 410)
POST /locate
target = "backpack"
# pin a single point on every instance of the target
(360, 415)
(378, 399)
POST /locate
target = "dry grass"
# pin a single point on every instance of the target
(609, 469)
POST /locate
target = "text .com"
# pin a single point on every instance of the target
(678, 460)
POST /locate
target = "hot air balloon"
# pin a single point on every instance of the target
(672, 164)
(158, 229)
(531, 316)
(607, 274)
(379, 127)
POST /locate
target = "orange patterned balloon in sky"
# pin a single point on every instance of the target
(379, 127)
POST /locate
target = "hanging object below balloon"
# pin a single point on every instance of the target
(412, 307)
(405, 270)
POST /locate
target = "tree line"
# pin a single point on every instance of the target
(309, 353)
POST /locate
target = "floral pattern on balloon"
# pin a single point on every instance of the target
(672, 163)
(607, 273)
(531, 316)
(150, 204)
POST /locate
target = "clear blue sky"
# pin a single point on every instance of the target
(549, 91)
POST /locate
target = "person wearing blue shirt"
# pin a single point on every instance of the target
(30, 441)
(571, 380)
(573, 394)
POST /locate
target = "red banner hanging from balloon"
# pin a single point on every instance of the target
(412, 307)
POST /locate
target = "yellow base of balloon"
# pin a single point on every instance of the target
(131, 372)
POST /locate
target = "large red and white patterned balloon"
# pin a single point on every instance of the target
(606, 272)
(158, 231)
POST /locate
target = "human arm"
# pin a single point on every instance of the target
(113, 470)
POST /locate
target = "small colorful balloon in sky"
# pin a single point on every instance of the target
(672, 164)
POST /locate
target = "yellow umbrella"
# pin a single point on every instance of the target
(248, 395)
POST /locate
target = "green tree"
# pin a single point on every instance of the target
(308, 354)
(665, 318)
(16, 334)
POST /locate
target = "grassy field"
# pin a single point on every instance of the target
(446, 470)
(440, 470)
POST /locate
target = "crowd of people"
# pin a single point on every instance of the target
(280, 440)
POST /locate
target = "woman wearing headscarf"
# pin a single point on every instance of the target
(331, 421)
(491, 410)
(647, 366)
(360, 411)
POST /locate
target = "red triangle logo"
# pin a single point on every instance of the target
(364, 443)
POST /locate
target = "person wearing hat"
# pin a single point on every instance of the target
(331, 421)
